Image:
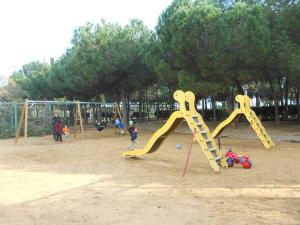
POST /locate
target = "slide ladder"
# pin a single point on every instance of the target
(255, 123)
(197, 126)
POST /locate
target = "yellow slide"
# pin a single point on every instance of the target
(255, 123)
(195, 123)
(158, 137)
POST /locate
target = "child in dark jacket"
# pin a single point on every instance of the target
(57, 131)
(133, 136)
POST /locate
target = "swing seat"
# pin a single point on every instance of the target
(100, 126)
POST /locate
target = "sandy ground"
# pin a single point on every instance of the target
(88, 182)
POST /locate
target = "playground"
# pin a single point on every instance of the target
(89, 182)
(173, 112)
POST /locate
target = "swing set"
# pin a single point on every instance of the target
(41, 112)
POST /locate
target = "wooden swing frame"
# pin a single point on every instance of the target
(23, 123)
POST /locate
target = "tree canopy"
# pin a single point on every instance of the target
(214, 48)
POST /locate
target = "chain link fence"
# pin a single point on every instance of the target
(9, 117)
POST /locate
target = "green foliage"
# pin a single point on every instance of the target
(214, 48)
(32, 79)
(188, 33)
(104, 58)
(6, 120)
(245, 43)
(12, 92)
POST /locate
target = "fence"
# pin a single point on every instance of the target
(9, 116)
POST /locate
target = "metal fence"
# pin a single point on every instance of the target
(9, 117)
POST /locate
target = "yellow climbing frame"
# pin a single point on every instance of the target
(255, 123)
(195, 123)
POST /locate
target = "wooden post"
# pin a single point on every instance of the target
(119, 112)
(80, 119)
(78, 116)
(75, 121)
(21, 121)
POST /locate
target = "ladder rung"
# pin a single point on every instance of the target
(203, 131)
(194, 116)
(217, 158)
(212, 149)
(198, 123)
(207, 140)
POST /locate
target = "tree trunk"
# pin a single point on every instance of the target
(239, 88)
(124, 108)
(297, 102)
(128, 109)
(281, 93)
(286, 101)
(276, 108)
(147, 106)
(118, 97)
(171, 98)
(229, 102)
(203, 108)
(257, 100)
(223, 110)
(143, 113)
(275, 98)
(84, 112)
(157, 110)
(213, 103)
(140, 105)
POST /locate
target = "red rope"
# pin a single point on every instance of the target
(188, 156)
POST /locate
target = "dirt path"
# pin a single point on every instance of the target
(88, 182)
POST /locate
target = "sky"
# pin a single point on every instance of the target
(40, 29)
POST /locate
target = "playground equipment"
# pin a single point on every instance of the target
(100, 125)
(24, 119)
(33, 117)
(195, 122)
(244, 109)
(234, 158)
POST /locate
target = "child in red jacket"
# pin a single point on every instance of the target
(57, 131)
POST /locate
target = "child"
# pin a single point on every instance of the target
(130, 125)
(133, 136)
(119, 126)
(53, 121)
(66, 131)
(118, 123)
(131, 121)
(57, 131)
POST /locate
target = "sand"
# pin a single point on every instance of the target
(88, 182)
